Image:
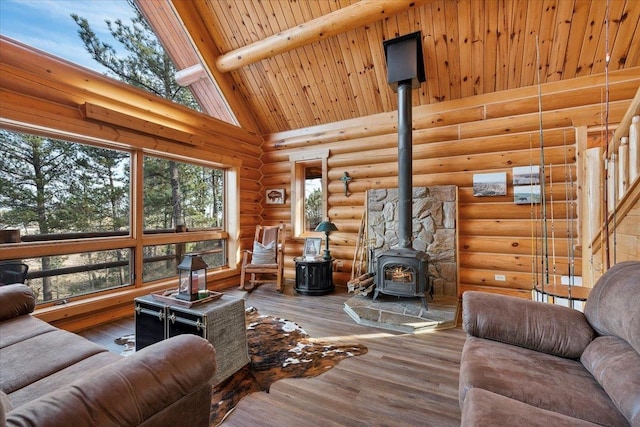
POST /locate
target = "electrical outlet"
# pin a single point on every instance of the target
(339, 264)
(500, 277)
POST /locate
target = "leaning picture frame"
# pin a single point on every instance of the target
(312, 247)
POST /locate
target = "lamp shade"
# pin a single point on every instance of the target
(326, 227)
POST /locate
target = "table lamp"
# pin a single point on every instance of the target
(326, 227)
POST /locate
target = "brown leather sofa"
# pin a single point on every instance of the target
(527, 363)
(51, 377)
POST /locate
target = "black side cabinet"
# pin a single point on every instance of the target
(314, 277)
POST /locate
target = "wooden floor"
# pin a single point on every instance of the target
(403, 380)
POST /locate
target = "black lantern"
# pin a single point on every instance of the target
(326, 227)
(192, 273)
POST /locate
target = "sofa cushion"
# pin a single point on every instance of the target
(612, 306)
(22, 328)
(548, 328)
(538, 379)
(616, 366)
(62, 377)
(49, 353)
(484, 408)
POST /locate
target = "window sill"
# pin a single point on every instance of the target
(90, 311)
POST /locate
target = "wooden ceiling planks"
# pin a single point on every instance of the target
(628, 29)
(470, 47)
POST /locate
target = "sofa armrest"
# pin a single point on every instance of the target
(129, 391)
(16, 300)
(548, 328)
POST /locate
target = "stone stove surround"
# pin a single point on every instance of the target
(433, 230)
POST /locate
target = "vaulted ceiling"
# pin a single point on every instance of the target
(284, 65)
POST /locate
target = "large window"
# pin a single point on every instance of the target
(73, 203)
(181, 194)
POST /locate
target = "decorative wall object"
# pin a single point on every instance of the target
(490, 184)
(526, 188)
(526, 194)
(526, 175)
(275, 196)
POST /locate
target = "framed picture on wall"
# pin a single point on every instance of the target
(490, 184)
(526, 194)
(275, 196)
(525, 175)
(312, 247)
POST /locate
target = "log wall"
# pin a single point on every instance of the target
(452, 141)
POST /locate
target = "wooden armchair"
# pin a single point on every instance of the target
(266, 258)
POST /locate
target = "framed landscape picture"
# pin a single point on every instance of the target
(490, 184)
(524, 175)
(526, 194)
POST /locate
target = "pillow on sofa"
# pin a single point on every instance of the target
(264, 254)
(16, 300)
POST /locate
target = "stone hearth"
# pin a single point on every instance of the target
(405, 315)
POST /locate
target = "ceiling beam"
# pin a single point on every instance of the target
(348, 18)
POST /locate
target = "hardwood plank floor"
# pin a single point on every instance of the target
(403, 380)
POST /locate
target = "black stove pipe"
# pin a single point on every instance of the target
(405, 165)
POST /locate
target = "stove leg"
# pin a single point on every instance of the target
(424, 302)
(375, 294)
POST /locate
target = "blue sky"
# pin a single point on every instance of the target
(47, 24)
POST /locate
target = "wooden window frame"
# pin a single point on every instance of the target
(299, 161)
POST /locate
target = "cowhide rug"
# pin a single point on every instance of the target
(278, 348)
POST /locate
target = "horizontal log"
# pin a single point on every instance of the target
(513, 280)
(348, 18)
(477, 162)
(510, 245)
(385, 123)
(557, 265)
(38, 115)
(440, 150)
(556, 211)
(57, 80)
(505, 227)
(464, 287)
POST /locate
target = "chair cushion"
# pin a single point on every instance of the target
(264, 254)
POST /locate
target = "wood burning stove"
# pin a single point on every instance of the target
(403, 271)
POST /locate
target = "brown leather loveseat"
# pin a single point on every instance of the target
(51, 377)
(528, 363)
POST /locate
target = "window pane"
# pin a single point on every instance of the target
(313, 202)
(51, 186)
(59, 277)
(161, 261)
(177, 193)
